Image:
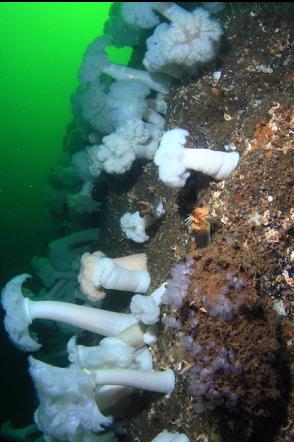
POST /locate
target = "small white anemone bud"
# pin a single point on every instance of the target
(165, 436)
(134, 224)
(147, 308)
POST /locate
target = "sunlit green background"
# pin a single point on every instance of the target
(40, 52)
(41, 48)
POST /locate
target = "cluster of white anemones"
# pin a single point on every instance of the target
(132, 126)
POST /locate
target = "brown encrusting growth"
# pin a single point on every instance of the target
(251, 333)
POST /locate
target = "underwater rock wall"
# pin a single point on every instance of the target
(226, 248)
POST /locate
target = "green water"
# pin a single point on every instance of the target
(41, 50)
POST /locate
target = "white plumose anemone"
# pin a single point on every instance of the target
(174, 160)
